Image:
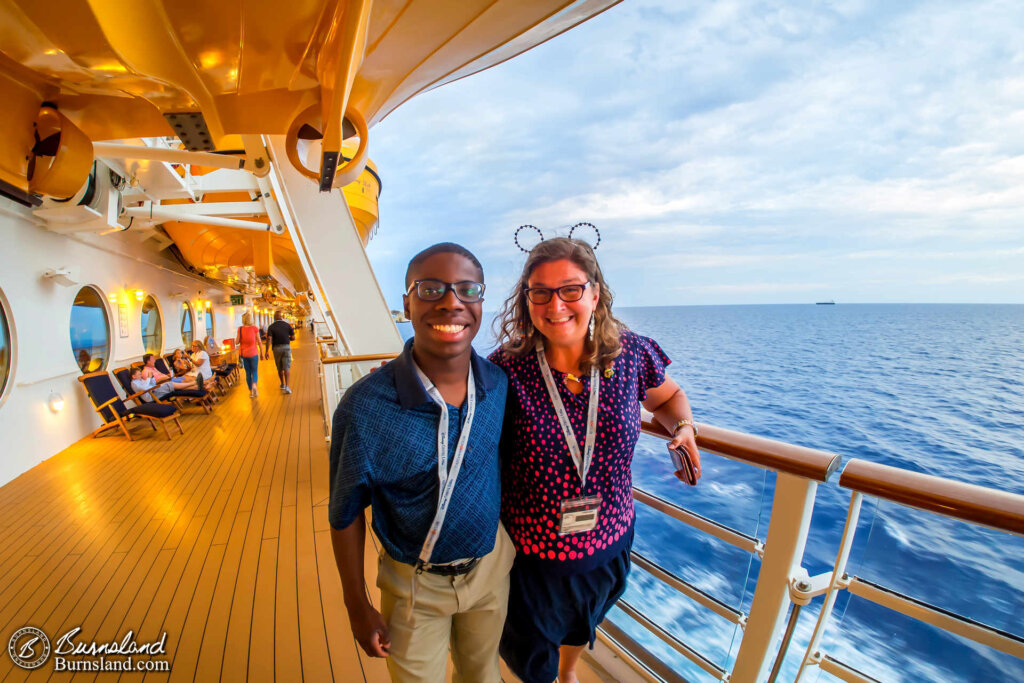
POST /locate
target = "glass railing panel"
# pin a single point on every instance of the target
(972, 571)
(730, 493)
(703, 634)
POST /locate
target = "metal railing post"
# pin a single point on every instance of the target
(835, 584)
(792, 505)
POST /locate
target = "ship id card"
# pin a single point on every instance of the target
(579, 515)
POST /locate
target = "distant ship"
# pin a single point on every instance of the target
(825, 303)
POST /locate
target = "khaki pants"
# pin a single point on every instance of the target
(464, 612)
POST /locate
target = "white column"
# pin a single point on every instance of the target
(332, 252)
(787, 535)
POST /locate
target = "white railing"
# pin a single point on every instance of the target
(966, 502)
(338, 372)
(782, 581)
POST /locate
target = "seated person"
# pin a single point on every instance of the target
(201, 362)
(181, 362)
(161, 391)
(149, 371)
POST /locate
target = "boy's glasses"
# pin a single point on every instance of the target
(467, 292)
(568, 293)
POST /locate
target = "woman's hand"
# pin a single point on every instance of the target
(669, 405)
(685, 438)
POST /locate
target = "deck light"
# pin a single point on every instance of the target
(139, 295)
(113, 298)
(56, 402)
(208, 305)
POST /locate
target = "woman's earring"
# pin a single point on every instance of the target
(590, 330)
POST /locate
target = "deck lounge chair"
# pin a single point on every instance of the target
(115, 414)
(177, 397)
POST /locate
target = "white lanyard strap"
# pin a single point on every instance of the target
(582, 466)
(445, 477)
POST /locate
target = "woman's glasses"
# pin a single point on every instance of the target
(568, 293)
(467, 292)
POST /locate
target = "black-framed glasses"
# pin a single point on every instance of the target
(467, 291)
(568, 293)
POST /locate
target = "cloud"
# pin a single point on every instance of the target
(827, 147)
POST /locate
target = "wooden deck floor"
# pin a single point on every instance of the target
(218, 537)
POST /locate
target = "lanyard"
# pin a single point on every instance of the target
(446, 478)
(582, 466)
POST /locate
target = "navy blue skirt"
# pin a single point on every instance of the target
(546, 611)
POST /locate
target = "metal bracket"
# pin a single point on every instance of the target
(191, 129)
(803, 588)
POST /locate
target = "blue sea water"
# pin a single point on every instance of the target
(937, 389)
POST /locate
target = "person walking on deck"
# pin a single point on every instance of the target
(445, 558)
(248, 342)
(279, 338)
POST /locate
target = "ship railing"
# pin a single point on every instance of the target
(338, 372)
(782, 581)
(799, 470)
(969, 503)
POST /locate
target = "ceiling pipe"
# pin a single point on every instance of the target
(162, 216)
(113, 150)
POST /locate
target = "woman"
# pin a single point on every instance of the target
(567, 499)
(181, 363)
(201, 363)
(248, 342)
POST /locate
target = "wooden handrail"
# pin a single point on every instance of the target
(359, 359)
(773, 455)
(968, 502)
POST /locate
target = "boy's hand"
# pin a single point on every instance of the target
(370, 630)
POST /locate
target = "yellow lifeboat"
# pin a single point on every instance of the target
(361, 195)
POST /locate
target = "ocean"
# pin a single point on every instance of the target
(937, 389)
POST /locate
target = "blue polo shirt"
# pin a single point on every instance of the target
(384, 454)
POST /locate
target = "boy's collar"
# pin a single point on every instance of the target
(410, 390)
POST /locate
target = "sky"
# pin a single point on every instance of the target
(733, 152)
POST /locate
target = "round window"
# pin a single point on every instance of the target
(6, 350)
(187, 324)
(90, 331)
(152, 327)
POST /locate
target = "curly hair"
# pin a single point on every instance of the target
(514, 328)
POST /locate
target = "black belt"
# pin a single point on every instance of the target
(451, 569)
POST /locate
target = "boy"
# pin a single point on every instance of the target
(443, 571)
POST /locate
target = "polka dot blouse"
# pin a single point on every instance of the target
(538, 472)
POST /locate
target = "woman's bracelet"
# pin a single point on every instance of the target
(684, 423)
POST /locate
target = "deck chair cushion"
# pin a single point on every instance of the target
(124, 378)
(163, 366)
(187, 393)
(101, 389)
(155, 410)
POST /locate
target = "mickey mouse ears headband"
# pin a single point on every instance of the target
(571, 231)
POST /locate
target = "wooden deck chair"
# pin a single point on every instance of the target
(115, 414)
(177, 397)
(224, 371)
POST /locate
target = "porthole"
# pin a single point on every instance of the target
(152, 327)
(6, 349)
(187, 324)
(90, 330)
